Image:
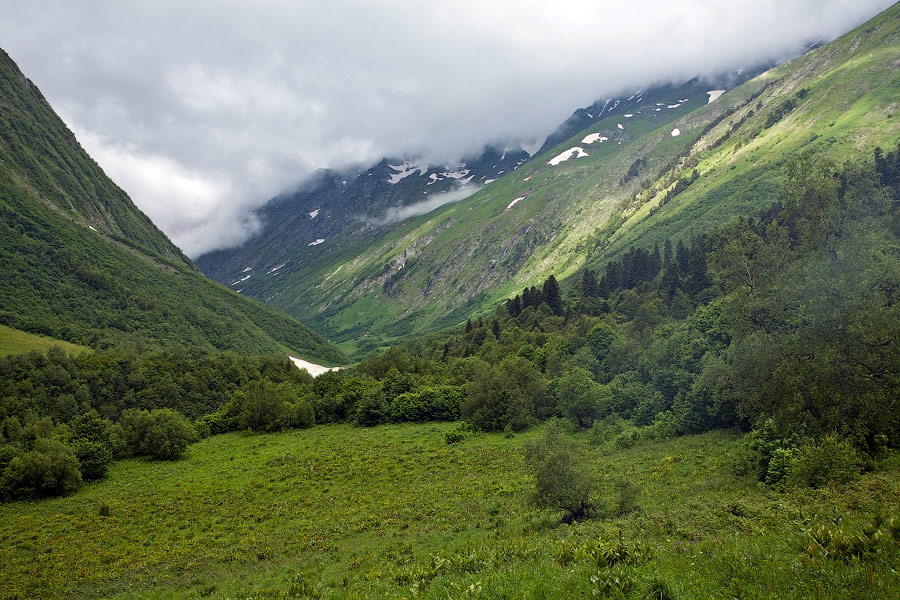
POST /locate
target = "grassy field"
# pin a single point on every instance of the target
(396, 512)
(13, 341)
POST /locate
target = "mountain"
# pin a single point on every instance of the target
(81, 263)
(334, 216)
(666, 167)
(335, 211)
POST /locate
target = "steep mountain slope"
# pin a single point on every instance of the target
(593, 195)
(336, 211)
(79, 262)
(337, 217)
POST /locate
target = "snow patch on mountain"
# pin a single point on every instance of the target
(594, 137)
(314, 214)
(317, 242)
(714, 95)
(576, 152)
(311, 368)
(273, 269)
(514, 202)
(676, 132)
(620, 126)
(405, 170)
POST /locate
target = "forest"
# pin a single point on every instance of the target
(784, 324)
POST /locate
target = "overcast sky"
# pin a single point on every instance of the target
(202, 110)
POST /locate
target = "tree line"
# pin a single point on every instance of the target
(784, 323)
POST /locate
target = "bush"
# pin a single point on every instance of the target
(93, 457)
(168, 435)
(831, 460)
(432, 403)
(262, 406)
(371, 411)
(49, 470)
(460, 432)
(162, 434)
(560, 482)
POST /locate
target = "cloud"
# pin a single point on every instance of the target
(395, 214)
(235, 101)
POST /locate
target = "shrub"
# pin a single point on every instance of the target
(93, 457)
(831, 460)
(431, 403)
(560, 482)
(262, 406)
(49, 470)
(459, 433)
(168, 435)
(371, 411)
(134, 425)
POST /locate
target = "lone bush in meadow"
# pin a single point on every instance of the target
(560, 481)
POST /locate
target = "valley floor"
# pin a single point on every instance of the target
(396, 512)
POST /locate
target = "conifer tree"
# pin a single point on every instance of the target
(551, 296)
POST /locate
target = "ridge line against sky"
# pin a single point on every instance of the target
(203, 111)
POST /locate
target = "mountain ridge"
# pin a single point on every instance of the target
(590, 197)
(81, 263)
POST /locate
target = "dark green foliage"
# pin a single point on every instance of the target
(581, 399)
(831, 460)
(93, 458)
(510, 393)
(262, 406)
(50, 469)
(550, 295)
(167, 435)
(438, 403)
(161, 434)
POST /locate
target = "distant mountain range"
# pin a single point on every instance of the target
(656, 164)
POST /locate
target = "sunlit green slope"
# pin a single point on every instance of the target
(617, 187)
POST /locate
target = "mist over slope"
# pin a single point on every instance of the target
(586, 200)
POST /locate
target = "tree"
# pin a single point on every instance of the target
(559, 481)
(581, 398)
(550, 295)
(50, 469)
(168, 435)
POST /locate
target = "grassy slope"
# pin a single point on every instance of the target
(13, 341)
(340, 512)
(850, 107)
(464, 258)
(78, 261)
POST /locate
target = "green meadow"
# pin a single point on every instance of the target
(14, 341)
(395, 511)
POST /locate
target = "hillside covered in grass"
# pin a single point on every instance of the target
(665, 168)
(81, 263)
